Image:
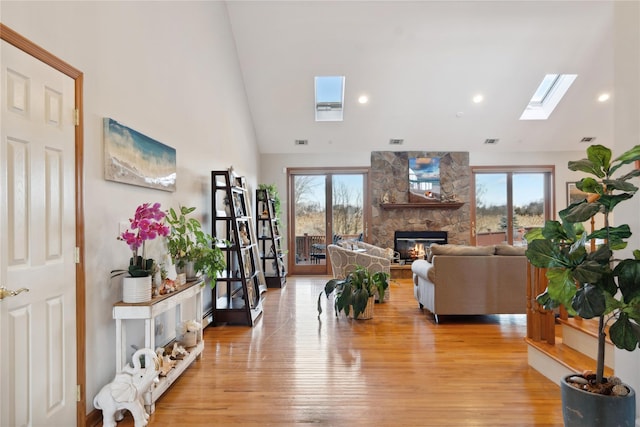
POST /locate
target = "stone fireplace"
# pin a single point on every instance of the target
(390, 184)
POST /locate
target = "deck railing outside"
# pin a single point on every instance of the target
(308, 246)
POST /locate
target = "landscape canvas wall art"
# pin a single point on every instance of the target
(133, 158)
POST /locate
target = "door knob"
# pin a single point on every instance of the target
(4, 292)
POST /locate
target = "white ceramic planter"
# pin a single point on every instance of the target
(136, 289)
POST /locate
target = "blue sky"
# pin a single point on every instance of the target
(527, 188)
(329, 89)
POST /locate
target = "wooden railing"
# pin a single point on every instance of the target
(540, 322)
(305, 244)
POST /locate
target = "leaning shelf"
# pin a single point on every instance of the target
(236, 296)
(269, 240)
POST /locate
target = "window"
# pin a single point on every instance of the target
(547, 96)
(329, 92)
(508, 202)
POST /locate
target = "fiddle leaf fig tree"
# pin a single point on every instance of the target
(593, 284)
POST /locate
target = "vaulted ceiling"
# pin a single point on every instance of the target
(421, 63)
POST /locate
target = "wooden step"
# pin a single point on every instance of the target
(556, 361)
(582, 335)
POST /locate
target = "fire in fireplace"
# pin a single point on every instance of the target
(412, 245)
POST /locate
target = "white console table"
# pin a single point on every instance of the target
(148, 311)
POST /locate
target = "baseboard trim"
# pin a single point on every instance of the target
(93, 418)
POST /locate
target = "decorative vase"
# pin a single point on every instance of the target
(585, 409)
(189, 268)
(136, 289)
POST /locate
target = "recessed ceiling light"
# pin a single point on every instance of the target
(363, 99)
(604, 97)
(478, 99)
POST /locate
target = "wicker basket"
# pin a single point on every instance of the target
(368, 310)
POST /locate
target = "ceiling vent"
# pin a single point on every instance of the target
(393, 141)
(491, 141)
(301, 142)
(588, 139)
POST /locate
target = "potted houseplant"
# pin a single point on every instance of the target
(272, 190)
(189, 245)
(147, 224)
(594, 284)
(356, 292)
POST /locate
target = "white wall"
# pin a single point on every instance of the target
(627, 135)
(168, 70)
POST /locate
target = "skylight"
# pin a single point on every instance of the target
(329, 98)
(547, 96)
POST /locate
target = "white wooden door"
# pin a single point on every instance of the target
(37, 244)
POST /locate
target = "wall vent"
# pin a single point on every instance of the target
(588, 139)
(491, 141)
(394, 141)
(301, 142)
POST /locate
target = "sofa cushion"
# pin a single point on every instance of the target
(436, 249)
(510, 250)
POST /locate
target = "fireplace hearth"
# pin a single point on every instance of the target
(412, 245)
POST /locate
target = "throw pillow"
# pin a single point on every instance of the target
(458, 250)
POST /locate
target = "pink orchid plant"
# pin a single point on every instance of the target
(147, 224)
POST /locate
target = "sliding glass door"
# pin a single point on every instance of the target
(324, 205)
(508, 202)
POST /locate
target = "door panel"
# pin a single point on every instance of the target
(491, 209)
(348, 205)
(37, 216)
(324, 204)
(309, 223)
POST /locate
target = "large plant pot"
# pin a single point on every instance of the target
(584, 409)
(136, 289)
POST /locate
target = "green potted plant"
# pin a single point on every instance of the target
(356, 292)
(594, 284)
(273, 193)
(189, 244)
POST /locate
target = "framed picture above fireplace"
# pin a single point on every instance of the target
(424, 178)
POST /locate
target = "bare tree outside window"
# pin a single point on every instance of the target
(347, 210)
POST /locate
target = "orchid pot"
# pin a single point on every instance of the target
(147, 224)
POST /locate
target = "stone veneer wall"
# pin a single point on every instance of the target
(390, 175)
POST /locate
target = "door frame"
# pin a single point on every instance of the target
(333, 170)
(12, 37)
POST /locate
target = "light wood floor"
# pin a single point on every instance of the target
(398, 369)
